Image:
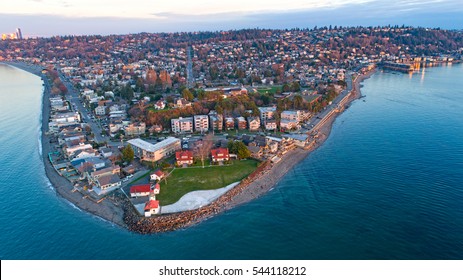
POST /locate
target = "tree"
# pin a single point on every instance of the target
(203, 148)
(186, 93)
(242, 150)
(128, 154)
(238, 148)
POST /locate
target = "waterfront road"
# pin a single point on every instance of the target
(77, 105)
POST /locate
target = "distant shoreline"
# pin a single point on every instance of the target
(119, 211)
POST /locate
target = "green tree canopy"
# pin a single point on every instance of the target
(128, 154)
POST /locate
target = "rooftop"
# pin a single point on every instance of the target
(152, 147)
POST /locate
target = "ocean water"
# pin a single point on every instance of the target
(387, 184)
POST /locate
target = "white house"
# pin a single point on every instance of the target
(108, 181)
(157, 175)
(152, 208)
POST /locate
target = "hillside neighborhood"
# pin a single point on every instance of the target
(138, 112)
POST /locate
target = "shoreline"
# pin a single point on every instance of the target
(119, 211)
(107, 209)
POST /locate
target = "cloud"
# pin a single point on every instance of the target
(380, 12)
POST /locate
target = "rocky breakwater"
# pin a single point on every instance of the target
(176, 221)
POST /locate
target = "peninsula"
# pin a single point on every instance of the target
(137, 123)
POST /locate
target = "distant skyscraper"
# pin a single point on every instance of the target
(19, 35)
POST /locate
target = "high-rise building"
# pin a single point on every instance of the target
(19, 34)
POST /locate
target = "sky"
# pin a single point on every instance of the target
(85, 17)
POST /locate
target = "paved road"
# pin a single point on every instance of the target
(189, 68)
(317, 118)
(73, 97)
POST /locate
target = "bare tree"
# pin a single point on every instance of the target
(203, 148)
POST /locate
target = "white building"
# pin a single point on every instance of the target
(295, 115)
(201, 123)
(182, 125)
(70, 117)
(267, 113)
(100, 110)
(154, 152)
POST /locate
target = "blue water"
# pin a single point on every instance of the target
(387, 184)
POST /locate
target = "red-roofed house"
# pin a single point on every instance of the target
(184, 157)
(220, 154)
(156, 189)
(152, 208)
(157, 175)
(140, 190)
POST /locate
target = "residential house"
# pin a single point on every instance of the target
(157, 175)
(253, 123)
(135, 129)
(156, 189)
(295, 115)
(152, 208)
(229, 123)
(115, 169)
(201, 123)
(256, 151)
(241, 123)
(108, 181)
(128, 170)
(220, 154)
(157, 128)
(105, 152)
(184, 157)
(271, 125)
(286, 124)
(159, 105)
(100, 110)
(181, 103)
(82, 146)
(182, 125)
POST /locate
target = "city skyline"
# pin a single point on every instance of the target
(51, 17)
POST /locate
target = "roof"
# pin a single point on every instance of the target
(108, 179)
(220, 153)
(140, 188)
(157, 187)
(158, 173)
(152, 147)
(182, 155)
(151, 204)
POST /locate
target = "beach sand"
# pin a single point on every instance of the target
(118, 210)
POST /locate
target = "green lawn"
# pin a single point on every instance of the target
(185, 180)
(271, 90)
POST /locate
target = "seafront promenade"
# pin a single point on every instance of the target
(118, 210)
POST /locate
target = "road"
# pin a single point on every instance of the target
(189, 68)
(328, 109)
(77, 105)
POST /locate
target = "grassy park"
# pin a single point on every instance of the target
(185, 180)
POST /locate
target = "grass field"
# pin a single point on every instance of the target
(271, 90)
(185, 180)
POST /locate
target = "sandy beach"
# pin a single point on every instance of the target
(118, 210)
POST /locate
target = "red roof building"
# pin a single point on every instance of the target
(220, 154)
(157, 175)
(140, 190)
(151, 207)
(184, 157)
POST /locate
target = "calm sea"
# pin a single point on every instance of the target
(387, 184)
